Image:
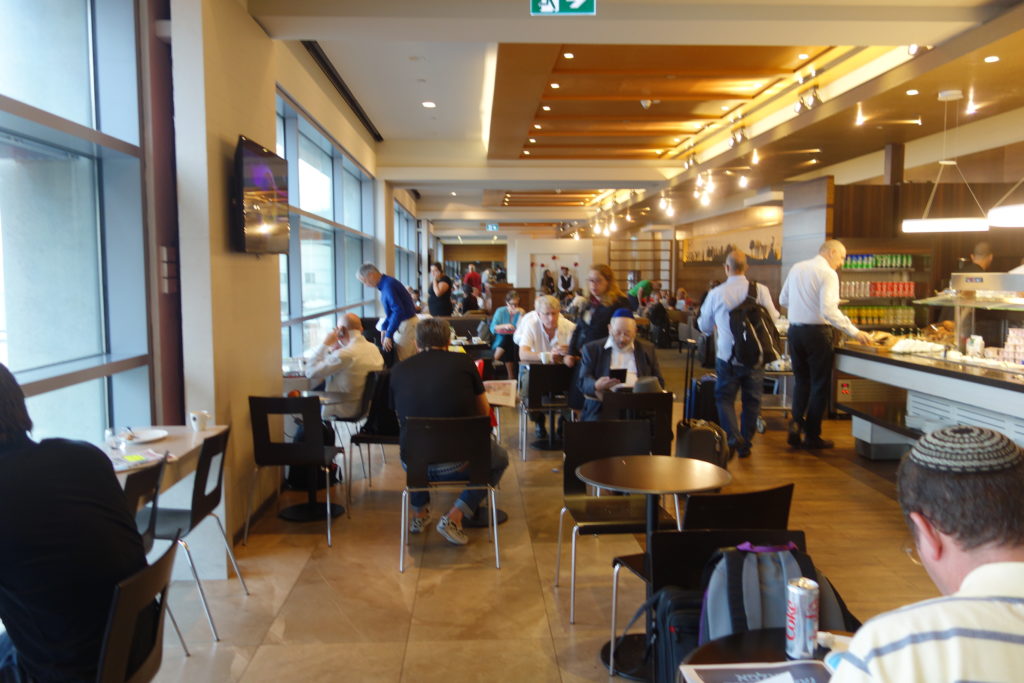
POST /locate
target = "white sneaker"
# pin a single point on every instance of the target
(451, 531)
(418, 524)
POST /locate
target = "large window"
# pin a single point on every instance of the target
(406, 261)
(328, 244)
(73, 311)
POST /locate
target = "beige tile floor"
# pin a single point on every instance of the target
(346, 614)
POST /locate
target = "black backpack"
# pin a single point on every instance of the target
(755, 339)
(676, 629)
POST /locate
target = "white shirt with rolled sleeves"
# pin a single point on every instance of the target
(531, 333)
(811, 293)
(345, 371)
(714, 314)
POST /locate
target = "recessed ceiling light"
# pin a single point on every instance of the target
(428, 105)
(991, 59)
(526, 152)
(537, 126)
(555, 86)
(546, 108)
(454, 194)
(725, 107)
(802, 55)
(568, 55)
(913, 91)
(533, 140)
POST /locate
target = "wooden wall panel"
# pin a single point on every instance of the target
(475, 252)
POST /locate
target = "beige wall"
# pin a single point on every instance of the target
(226, 75)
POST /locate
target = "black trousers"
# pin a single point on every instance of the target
(810, 349)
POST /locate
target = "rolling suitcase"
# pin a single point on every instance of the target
(699, 402)
(698, 434)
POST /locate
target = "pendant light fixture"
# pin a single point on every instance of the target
(955, 224)
(1010, 215)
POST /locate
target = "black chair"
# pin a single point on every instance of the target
(133, 640)
(656, 408)
(766, 510)
(310, 452)
(380, 416)
(175, 523)
(429, 440)
(547, 392)
(593, 515)
(142, 489)
(365, 403)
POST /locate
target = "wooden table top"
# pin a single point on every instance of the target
(653, 474)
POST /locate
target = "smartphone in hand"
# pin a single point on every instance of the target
(619, 374)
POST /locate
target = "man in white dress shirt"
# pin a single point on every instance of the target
(543, 336)
(344, 360)
(731, 376)
(811, 293)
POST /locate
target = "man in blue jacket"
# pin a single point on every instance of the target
(399, 311)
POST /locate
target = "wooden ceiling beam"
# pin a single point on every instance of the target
(659, 133)
(683, 73)
(686, 97)
(642, 117)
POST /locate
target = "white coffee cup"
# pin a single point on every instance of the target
(199, 419)
(545, 357)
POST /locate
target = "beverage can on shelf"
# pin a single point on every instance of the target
(801, 618)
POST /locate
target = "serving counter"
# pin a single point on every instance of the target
(938, 393)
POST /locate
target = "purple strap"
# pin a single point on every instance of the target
(751, 548)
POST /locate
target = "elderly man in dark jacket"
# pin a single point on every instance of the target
(620, 351)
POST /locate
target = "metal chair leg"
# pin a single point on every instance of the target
(679, 517)
(248, 504)
(383, 456)
(199, 585)
(494, 525)
(231, 554)
(558, 555)
(404, 533)
(181, 638)
(615, 606)
(327, 502)
(572, 576)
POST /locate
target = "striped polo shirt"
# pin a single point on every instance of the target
(976, 634)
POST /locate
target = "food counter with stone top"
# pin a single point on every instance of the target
(938, 393)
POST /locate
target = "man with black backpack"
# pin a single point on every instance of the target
(743, 317)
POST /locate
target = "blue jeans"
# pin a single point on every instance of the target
(732, 379)
(10, 670)
(469, 500)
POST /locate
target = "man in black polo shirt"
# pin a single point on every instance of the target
(440, 383)
(66, 539)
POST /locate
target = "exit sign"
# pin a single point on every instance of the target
(492, 227)
(562, 8)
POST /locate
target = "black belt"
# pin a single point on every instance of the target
(807, 325)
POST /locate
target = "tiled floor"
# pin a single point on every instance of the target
(345, 613)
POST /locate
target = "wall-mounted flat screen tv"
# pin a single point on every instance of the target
(259, 204)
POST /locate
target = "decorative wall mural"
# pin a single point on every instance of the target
(762, 245)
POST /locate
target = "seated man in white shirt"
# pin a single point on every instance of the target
(543, 336)
(344, 360)
(960, 491)
(731, 376)
(621, 350)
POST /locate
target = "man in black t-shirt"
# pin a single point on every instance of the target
(440, 383)
(66, 539)
(439, 293)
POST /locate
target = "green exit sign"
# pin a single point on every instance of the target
(563, 8)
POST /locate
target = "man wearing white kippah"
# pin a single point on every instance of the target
(961, 493)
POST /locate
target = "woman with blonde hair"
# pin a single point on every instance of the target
(592, 323)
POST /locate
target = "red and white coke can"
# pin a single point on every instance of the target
(801, 618)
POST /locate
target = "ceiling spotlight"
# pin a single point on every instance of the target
(971, 106)
(705, 199)
(454, 194)
(802, 55)
(913, 91)
(912, 49)
(537, 126)
(645, 104)
(700, 181)
(696, 194)
(798, 106)
(428, 105)
(859, 121)
(555, 86)
(533, 140)
(612, 225)
(670, 210)
(755, 159)
(575, 235)
(743, 181)
(526, 152)
(629, 218)
(662, 203)
(732, 142)
(991, 59)
(546, 108)
(725, 107)
(568, 55)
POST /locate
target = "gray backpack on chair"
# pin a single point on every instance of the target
(746, 590)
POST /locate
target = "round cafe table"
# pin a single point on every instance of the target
(312, 510)
(653, 476)
(758, 645)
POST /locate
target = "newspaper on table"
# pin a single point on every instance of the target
(125, 462)
(797, 671)
(501, 392)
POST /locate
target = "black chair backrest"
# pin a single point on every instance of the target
(381, 419)
(678, 557)
(133, 640)
(142, 488)
(546, 381)
(369, 389)
(655, 408)
(206, 498)
(767, 509)
(586, 441)
(429, 440)
(309, 451)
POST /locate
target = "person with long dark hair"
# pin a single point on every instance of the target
(605, 298)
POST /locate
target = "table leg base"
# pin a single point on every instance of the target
(482, 519)
(631, 660)
(309, 512)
